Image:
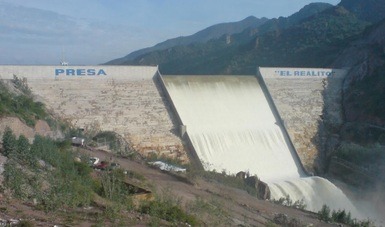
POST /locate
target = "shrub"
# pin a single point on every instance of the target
(168, 208)
(9, 142)
(287, 201)
(211, 211)
(324, 213)
(341, 216)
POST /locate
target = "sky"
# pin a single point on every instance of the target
(96, 31)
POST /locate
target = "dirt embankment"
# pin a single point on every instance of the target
(228, 206)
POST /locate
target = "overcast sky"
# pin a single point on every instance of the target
(96, 31)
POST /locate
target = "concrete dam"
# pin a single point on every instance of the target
(123, 99)
(235, 123)
(233, 127)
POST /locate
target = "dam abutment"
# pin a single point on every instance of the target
(307, 99)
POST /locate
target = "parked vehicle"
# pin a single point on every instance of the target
(77, 141)
(103, 165)
(167, 167)
(93, 161)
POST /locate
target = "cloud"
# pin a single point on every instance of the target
(43, 34)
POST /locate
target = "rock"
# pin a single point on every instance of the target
(263, 190)
(241, 175)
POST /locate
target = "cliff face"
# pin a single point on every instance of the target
(363, 86)
(362, 134)
(364, 55)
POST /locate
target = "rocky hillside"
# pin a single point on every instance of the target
(368, 10)
(216, 54)
(362, 135)
(364, 85)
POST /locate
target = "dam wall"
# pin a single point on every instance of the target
(308, 101)
(124, 99)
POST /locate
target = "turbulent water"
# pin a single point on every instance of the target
(233, 128)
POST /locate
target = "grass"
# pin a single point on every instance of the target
(210, 210)
(222, 178)
(167, 207)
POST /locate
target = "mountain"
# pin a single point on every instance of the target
(285, 22)
(220, 56)
(313, 42)
(312, 37)
(212, 32)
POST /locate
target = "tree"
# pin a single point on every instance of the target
(23, 148)
(9, 142)
(324, 213)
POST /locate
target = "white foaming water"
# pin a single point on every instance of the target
(232, 128)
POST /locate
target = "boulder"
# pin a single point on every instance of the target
(263, 190)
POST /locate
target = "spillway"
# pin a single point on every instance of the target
(232, 128)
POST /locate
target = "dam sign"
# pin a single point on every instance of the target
(79, 72)
(301, 72)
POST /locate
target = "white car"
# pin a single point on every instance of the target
(93, 161)
(167, 167)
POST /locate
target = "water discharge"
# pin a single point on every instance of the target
(233, 128)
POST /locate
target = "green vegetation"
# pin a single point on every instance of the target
(341, 216)
(47, 172)
(167, 207)
(313, 40)
(287, 201)
(222, 178)
(211, 210)
(63, 181)
(20, 105)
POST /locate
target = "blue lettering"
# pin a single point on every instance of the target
(58, 71)
(70, 72)
(296, 73)
(81, 72)
(101, 72)
(91, 72)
